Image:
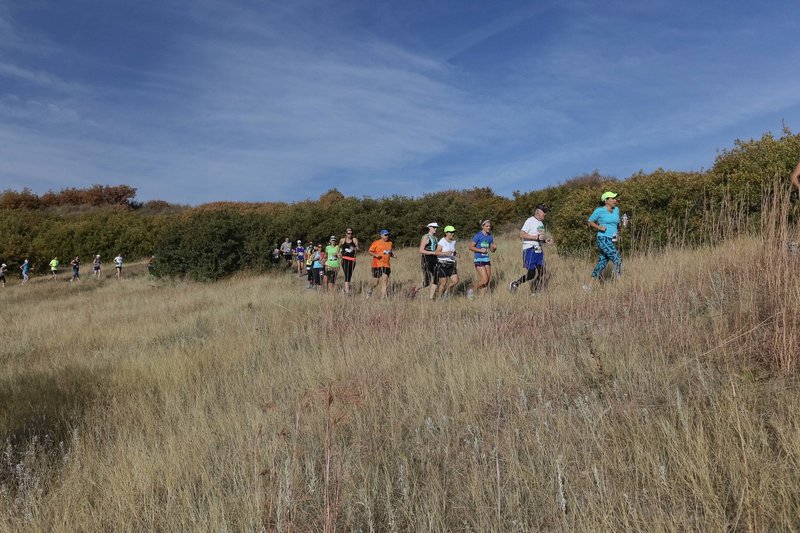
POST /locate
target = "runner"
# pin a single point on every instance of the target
(286, 252)
(317, 267)
(76, 269)
(310, 264)
(349, 246)
(300, 257)
(482, 245)
(118, 266)
(151, 265)
(381, 252)
(428, 260)
(96, 267)
(605, 219)
(26, 271)
(3, 270)
(532, 235)
(54, 268)
(331, 264)
(796, 176)
(446, 273)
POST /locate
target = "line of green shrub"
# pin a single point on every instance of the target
(215, 240)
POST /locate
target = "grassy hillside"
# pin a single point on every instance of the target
(665, 401)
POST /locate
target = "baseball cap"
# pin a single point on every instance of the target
(384, 232)
(333, 238)
(433, 225)
(5, 265)
(299, 241)
(449, 229)
(608, 194)
(543, 207)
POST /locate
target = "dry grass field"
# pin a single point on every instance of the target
(666, 401)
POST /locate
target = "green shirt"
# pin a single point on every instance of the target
(54, 264)
(333, 256)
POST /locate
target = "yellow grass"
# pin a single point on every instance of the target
(665, 401)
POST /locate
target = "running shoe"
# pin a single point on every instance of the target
(470, 294)
(586, 288)
(513, 286)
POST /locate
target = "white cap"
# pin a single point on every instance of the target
(299, 241)
(5, 265)
(433, 225)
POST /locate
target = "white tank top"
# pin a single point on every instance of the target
(447, 247)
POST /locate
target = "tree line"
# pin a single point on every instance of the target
(214, 240)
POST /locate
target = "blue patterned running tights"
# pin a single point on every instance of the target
(608, 252)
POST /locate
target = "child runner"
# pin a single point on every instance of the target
(3, 270)
(446, 273)
(331, 263)
(605, 219)
(532, 235)
(482, 245)
(349, 247)
(381, 252)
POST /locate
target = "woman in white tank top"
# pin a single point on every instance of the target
(446, 273)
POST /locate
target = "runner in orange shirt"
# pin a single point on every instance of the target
(381, 252)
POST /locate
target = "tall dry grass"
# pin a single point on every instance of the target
(664, 401)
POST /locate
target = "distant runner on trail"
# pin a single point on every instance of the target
(605, 219)
(300, 257)
(318, 266)
(428, 260)
(532, 235)
(796, 176)
(25, 267)
(309, 264)
(446, 272)
(54, 268)
(381, 252)
(96, 267)
(3, 270)
(286, 251)
(349, 247)
(151, 265)
(118, 266)
(482, 245)
(76, 269)
(331, 264)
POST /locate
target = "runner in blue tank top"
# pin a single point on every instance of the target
(482, 245)
(605, 219)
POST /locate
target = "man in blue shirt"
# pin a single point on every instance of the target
(605, 219)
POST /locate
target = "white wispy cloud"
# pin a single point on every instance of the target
(286, 102)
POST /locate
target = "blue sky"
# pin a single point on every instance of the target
(248, 100)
